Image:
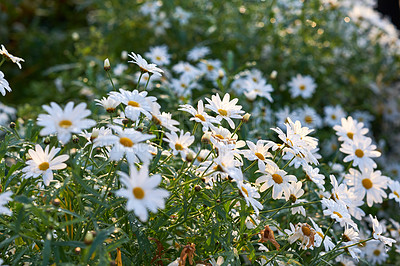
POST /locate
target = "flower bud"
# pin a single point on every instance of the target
(197, 188)
(107, 65)
(125, 121)
(273, 74)
(88, 238)
(56, 202)
(206, 137)
(77, 250)
(75, 139)
(46, 140)
(12, 125)
(221, 74)
(246, 118)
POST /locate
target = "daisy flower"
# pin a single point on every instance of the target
(187, 69)
(314, 175)
(258, 88)
(296, 192)
(308, 116)
(142, 192)
(14, 59)
(319, 236)
(136, 102)
(395, 189)
(198, 53)
(159, 55)
(199, 115)
(378, 230)
(128, 142)
(165, 120)
(4, 199)
(179, 144)
(360, 151)
(350, 128)
(250, 194)
(44, 163)
(277, 179)
(181, 15)
(184, 85)
(338, 211)
(225, 109)
(143, 65)
(109, 104)
(258, 151)
(333, 115)
(302, 232)
(375, 252)
(96, 133)
(302, 86)
(64, 122)
(368, 182)
(350, 235)
(4, 86)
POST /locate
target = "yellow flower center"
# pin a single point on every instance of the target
(350, 135)
(65, 123)
(302, 87)
(377, 252)
(199, 116)
(222, 112)
(183, 85)
(44, 166)
(138, 192)
(306, 230)
(158, 58)
(260, 156)
(127, 142)
(338, 214)
(367, 183)
(397, 194)
(245, 191)
(359, 153)
(178, 147)
(333, 117)
(277, 178)
(219, 136)
(308, 119)
(134, 104)
(334, 146)
(210, 67)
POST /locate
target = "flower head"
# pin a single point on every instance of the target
(144, 66)
(4, 199)
(225, 108)
(4, 86)
(14, 59)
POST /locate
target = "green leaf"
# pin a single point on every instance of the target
(100, 238)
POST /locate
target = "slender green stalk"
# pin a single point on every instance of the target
(112, 83)
(140, 77)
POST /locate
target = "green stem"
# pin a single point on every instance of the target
(289, 162)
(194, 128)
(281, 208)
(147, 83)
(251, 165)
(112, 83)
(140, 77)
(2, 61)
(237, 128)
(291, 206)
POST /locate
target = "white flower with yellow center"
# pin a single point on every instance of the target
(4, 199)
(360, 151)
(142, 192)
(259, 151)
(277, 179)
(296, 192)
(314, 175)
(319, 236)
(136, 103)
(368, 182)
(349, 129)
(44, 163)
(199, 115)
(144, 66)
(14, 59)
(302, 232)
(333, 115)
(159, 55)
(128, 142)
(165, 120)
(338, 211)
(302, 86)
(4, 86)
(179, 144)
(109, 104)
(225, 108)
(198, 53)
(250, 194)
(64, 122)
(395, 188)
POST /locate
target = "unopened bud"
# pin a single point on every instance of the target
(56, 202)
(88, 238)
(125, 121)
(190, 157)
(246, 118)
(273, 74)
(12, 125)
(75, 139)
(46, 140)
(221, 74)
(206, 137)
(107, 65)
(77, 250)
(197, 188)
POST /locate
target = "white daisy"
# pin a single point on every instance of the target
(4, 86)
(225, 109)
(368, 182)
(64, 122)
(302, 86)
(165, 120)
(333, 115)
(144, 66)
(250, 194)
(302, 232)
(360, 151)
(259, 151)
(395, 191)
(109, 104)
(136, 102)
(350, 128)
(338, 211)
(142, 192)
(319, 236)
(296, 192)
(375, 252)
(4, 199)
(128, 142)
(44, 163)
(378, 229)
(199, 115)
(159, 55)
(179, 144)
(277, 178)
(314, 175)
(14, 59)
(198, 53)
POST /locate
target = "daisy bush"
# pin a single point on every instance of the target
(209, 133)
